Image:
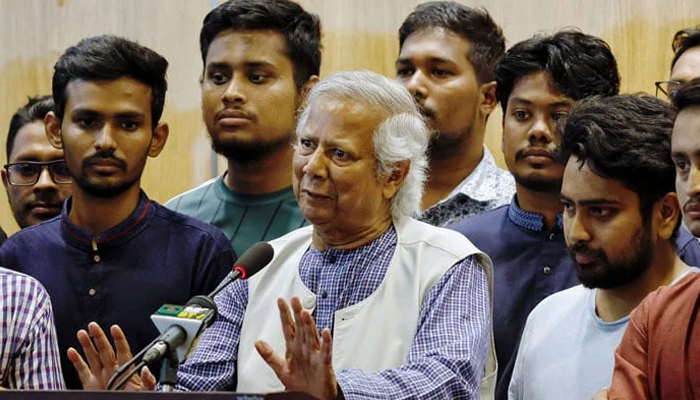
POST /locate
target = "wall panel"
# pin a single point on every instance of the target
(357, 34)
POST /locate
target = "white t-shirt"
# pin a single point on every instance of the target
(566, 351)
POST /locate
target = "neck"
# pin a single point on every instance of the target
(271, 174)
(613, 304)
(96, 214)
(546, 204)
(329, 237)
(449, 166)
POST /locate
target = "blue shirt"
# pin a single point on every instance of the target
(122, 275)
(530, 262)
(447, 356)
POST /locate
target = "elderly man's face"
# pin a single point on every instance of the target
(335, 178)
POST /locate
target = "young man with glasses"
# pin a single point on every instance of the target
(35, 177)
(686, 62)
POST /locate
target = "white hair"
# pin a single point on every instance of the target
(401, 136)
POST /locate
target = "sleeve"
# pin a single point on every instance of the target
(630, 377)
(449, 350)
(212, 364)
(37, 364)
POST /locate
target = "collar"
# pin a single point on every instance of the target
(527, 220)
(114, 236)
(479, 184)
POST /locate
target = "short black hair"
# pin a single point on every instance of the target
(473, 24)
(301, 30)
(579, 65)
(35, 110)
(684, 40)
(626, 138)
(108, 58)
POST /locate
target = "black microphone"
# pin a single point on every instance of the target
(201, 311)
(180, 326)
(253, 260)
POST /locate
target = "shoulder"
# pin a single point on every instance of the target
(688, 247)
(672, 301)
(193, 196)
(561, 304)
(21, 287)
(46, 232)
(189, 226)
(481, 224)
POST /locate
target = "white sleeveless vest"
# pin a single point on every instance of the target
(374, 334)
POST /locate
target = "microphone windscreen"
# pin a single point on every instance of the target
(255, 258)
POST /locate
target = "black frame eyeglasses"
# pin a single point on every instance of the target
(668, 88)
(27, 173)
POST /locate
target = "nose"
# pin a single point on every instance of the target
(316, 165)
(233, 93)
(45, 181)
(105, 138)
(575, 230)
(416, 85)
(541, 131)
(694, 181)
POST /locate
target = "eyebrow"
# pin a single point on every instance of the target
(125, 114)
(434, 60)
(250, 64)
(681, 154)
(590, 202)
(528, 102)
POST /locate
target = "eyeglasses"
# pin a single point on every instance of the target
(27, 173)
(668, 88)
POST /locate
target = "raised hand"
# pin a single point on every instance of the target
(307, 365)
(102, 361)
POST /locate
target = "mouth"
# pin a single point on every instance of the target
(45, 209)
(315, 195)
(233, 118)
(538, 155)
(105, 165)
(692, 210)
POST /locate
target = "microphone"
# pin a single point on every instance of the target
(180, 326)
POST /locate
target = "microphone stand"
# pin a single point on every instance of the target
(168, 371)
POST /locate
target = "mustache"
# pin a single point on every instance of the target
(585, 249)
(691, 202)
(102, 155)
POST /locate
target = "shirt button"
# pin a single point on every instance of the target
(546, 270)
(552, 236)
(96, 258)
(331, 259)
(324, 294)
(92, 292)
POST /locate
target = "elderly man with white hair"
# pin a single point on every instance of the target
(382, 306)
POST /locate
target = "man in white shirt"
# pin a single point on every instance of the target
(621, 215)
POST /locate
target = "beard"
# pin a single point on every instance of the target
(538, 183)
(607, 275)
(98, 188)
(245, 151)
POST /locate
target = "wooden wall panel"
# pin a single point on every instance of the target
(358, 34)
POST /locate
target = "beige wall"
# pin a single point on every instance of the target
(357, 34)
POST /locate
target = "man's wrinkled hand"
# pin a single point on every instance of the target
(307, 365)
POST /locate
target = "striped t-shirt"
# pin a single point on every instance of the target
(244, 218)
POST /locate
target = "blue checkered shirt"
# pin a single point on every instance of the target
(446, 359)
(28, 349)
